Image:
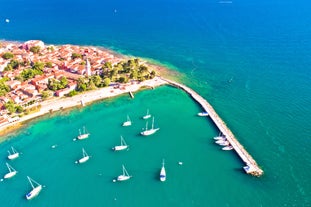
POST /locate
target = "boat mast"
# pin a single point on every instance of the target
(124, 171)
(122, 141)
(9, 167)
(30, 180)
(152, 122)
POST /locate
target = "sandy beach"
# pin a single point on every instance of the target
(56, 104)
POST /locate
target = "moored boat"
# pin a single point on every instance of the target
(128, 121)
(162, 172)
(84, 134)
(229, 147)
(203, 114)
(13, 155)
(85, 157)
(124, 176)
(223, 143)
(122, 146)
(151, 131)
(12, 172)
(35, 189)
(147, 116)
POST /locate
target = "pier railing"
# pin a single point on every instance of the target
(251, 165)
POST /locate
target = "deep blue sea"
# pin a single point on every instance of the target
(250, 59)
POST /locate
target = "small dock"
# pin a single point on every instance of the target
(131, 94)
(251, 167)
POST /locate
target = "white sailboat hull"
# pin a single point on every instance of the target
(84, 159)
(13, 156)
(203, 114)
(83, 136)
(227, 148)
(147, 116)
(162, 174)
(127, 123)
(10, 174)
(225, 143)
(34, 192)
(123, 177)
(221, 141)
(219, 138)
(121, 147)
(149, 132)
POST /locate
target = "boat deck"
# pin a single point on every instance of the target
(251, 165)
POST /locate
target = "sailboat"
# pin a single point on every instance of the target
(35, 189)
(11, 172)
(229, 147)
(147, 116)
(151, 131)
(220, 137)
(84, 134)
(204, 113)
(85, 157)
(124, 176)
(128, 122)
(163, 173)
(13, 155)
(123, 145)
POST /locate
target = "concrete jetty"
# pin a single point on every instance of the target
(251, 167)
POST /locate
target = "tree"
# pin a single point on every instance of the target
(143, 69)
(45, 94)
(134, 74)
(19, 109)
(72, 93)
(8, 67)
(10, 107)
(15, 64)
(91, 85)
(76, 55)
(7, 55)
(49, 65)
(38, 66)
(63, 82)
(106, 81)
(108, 65)
(4, 89)
(152, 74)
(81, 85)
(123, 79)
(55, 85)
(35, 49)
(96, 80)
(50, 48)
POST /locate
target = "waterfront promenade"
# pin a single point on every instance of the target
(251, 167)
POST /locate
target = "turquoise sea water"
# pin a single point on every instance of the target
(250, 60)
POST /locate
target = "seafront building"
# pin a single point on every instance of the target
(61, 63)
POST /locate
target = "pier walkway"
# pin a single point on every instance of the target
(251, 165)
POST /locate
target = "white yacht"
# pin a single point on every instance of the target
(203, 114)
(224, 143)
(163, 172)
(12, 172)
(147, 116)
(227, 148)
(124, 176)
(219, 137)
(13, 155)
(35, 189)
(128, 122)
(151, 131)
(85, 157)
(122, 146)
(84, 134)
